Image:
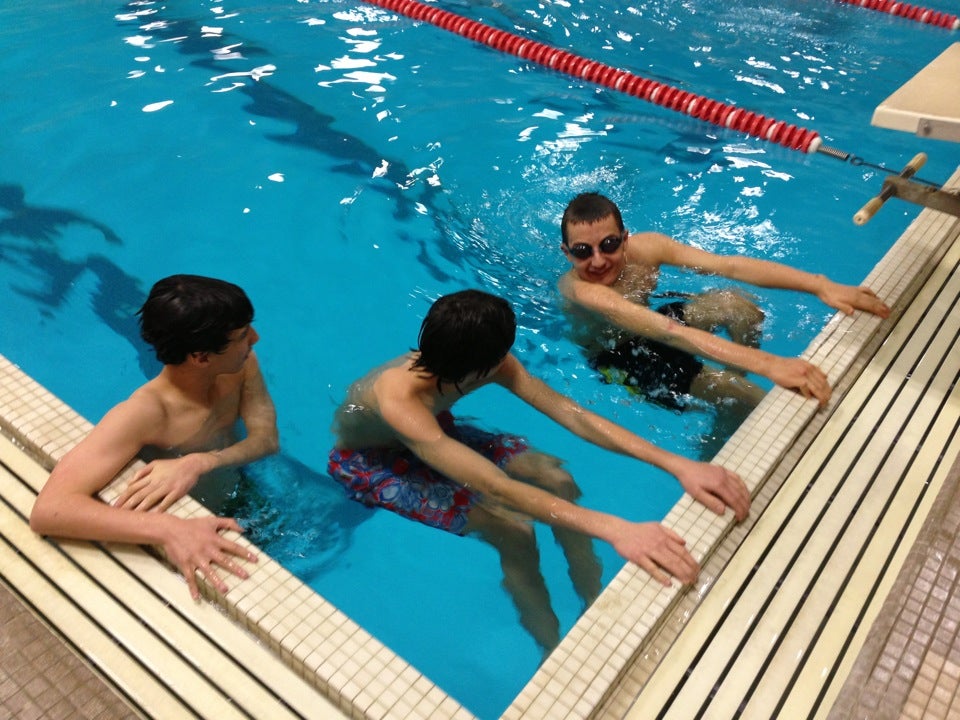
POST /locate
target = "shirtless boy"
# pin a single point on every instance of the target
(201, 332)
(399, 447)
(615, 274)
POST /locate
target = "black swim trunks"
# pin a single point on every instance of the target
(659, 372)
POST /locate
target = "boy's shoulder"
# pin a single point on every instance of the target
(394, 382)
(567, 281)
(649, 248)
(150, 402)
(139, 420)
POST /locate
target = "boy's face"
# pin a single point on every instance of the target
(239, 344)
(596, 250)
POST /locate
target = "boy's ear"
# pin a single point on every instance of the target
(199, 358)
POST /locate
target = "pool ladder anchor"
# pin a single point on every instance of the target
(901, 186)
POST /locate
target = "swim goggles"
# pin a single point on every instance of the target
(609, 245)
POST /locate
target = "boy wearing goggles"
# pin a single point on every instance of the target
(654, 352)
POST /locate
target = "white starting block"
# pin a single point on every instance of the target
(928, 104)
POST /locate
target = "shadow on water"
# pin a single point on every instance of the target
(117, 296)
(302, 518)
(313, 130)
(43, 224)
(316, 131)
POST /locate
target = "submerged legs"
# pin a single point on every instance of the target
(726, 310)
(522, 579)
(732, 394)
(513, 536)
(545, 471)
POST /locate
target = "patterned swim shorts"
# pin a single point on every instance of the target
(396, 479)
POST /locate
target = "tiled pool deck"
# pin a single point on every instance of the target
(301, 657)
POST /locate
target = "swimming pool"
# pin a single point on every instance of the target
(346, 167)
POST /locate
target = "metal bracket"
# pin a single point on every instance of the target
(901, 186)
(931, 197)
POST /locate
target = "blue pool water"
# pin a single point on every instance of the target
(346, 167)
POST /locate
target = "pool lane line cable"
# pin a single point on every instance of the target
(712, 111)
(857, 161)
(911, 12)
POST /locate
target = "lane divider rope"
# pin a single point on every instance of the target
(698, 106)
(911, 12)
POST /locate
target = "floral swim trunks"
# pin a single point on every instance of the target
(396, 479)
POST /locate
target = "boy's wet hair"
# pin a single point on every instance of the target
(588, 208)
(184, 314)
(467, 332)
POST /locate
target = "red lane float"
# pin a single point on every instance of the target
(697, 106)
(911, 12)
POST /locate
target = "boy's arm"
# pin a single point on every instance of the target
(162, 482)
(715, 487)
(656, 549)
(791, 373)
(67, 506)
(259, 418)
(765, 273)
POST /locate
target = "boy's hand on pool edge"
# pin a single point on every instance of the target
(716, 488)
(847, 298)
(198, 545)
(160, 483)
(657, 549)
(802, 377)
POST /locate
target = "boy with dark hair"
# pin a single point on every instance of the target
(187, 415)
(468, 332)
(185, 314)
(399, 447)
(615, 274)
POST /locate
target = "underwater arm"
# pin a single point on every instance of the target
(259, 418)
